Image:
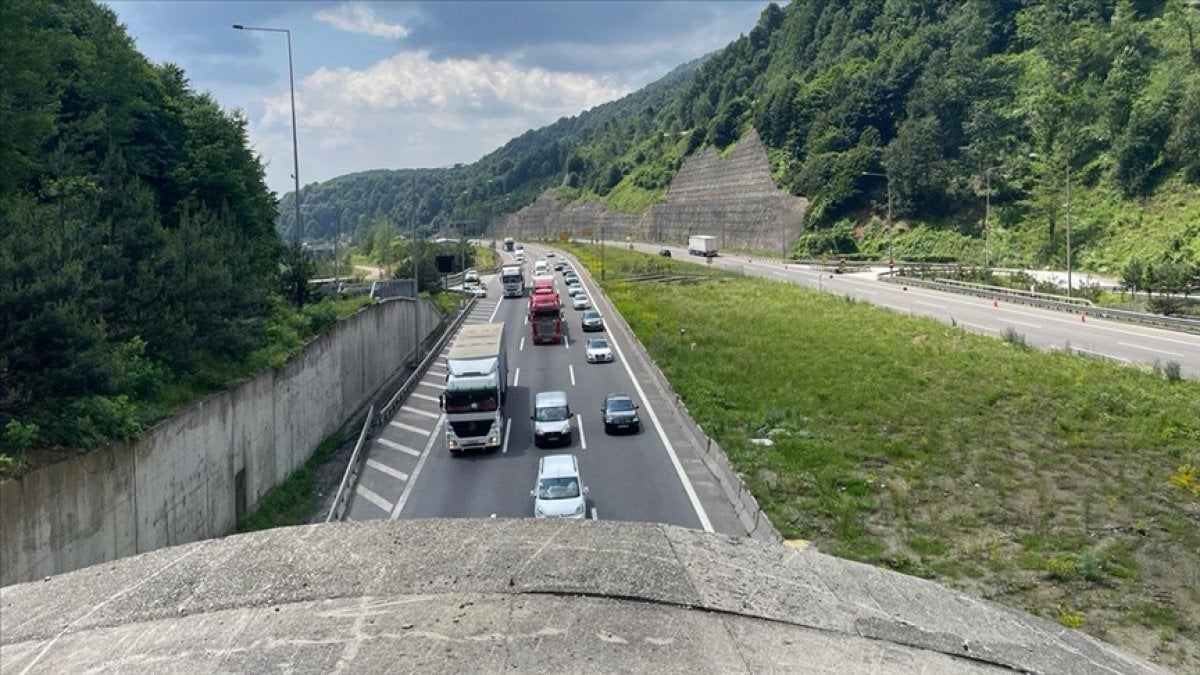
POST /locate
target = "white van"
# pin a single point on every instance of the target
(559, 491)
(551, 418)
(541, 267)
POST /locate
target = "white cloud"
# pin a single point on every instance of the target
(413, 111)
(356, 17)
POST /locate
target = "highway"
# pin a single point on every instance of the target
(1042, 328)
(653, 476)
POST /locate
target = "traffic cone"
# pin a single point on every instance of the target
(906, 288)
(1082, 318)
(995, 303)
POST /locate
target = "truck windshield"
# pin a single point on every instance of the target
(470, 401)
(544, 313)
(510, 278)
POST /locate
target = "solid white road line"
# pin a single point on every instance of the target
(422, 413)
(975, 325)
(409, 427)
(507, 432)
(928, 304)
(522, 347)
(492, 318)
(582, 438)
(370, 496)
(894, 307)
(396, 446)
(416, 472)
(571, 369)
(1021, 323)
(516, 376)
(425, 397)
(435, 385)
(1150, 349)
(1107, 356)
(394, 473)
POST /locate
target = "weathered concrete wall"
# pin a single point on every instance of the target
(732, 198)
(191, 476)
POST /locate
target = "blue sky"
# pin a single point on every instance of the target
(421, 84)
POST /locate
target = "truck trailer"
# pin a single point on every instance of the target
(476, 386)
(702, 244)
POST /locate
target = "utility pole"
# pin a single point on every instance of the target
(416, 288)
(1067, 213)
(601, 250)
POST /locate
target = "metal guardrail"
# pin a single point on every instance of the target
(375, 420)
(1174, 323)
(338, 510)
(1015, 292)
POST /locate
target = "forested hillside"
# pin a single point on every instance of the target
(138, 254)
(1098, 100)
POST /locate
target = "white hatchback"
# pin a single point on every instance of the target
(580, 301)
(559, 492)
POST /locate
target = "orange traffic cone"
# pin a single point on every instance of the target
(906, 288)
(1082, 318)
(995, 303)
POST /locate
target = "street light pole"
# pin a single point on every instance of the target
(295, 143)
(416, 288)
(1067, 214)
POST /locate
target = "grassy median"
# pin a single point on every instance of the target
(1056, 484)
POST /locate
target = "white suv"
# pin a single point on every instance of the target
(559, 491)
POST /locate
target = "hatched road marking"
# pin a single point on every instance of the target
(423, 413)
(396, 446)
(433, 384)
(409, 427)
(424, 397)
(370, 496)
(394, 473)
(416, 472)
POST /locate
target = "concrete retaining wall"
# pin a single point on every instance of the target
(731, 198)
(192, 476)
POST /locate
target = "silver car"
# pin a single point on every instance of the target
(598, 351)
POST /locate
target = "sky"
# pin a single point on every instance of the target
(391, 85)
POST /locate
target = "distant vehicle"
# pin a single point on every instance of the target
(560, 265)
(542, 283)
(559, 491)
(541, 267)
(477, 290)
(620, 414)
(471, 275)
(545, 317)
(508, 243)
(520, 256)
(665, 252)
(592, 321)
(702, 244)
(598, 351)
(575, 289)
(570, 277)
(551, 418)
(580, 301)
(512, 279)
(476, 385)
(550, 254)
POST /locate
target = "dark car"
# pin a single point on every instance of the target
(620, 414)
(559, 265)
(665, 252)
(592, 321)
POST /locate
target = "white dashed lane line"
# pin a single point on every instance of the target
(507, 432)
(394, 473)
(571, 369)
(516, 377)
(582, 438)
(522, 347)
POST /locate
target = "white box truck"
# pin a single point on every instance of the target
(476, 385)
(702, 244)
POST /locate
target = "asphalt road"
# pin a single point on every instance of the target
(653, 476)
(1043, 328)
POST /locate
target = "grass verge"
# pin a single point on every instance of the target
(1054, 484)
(294, 501)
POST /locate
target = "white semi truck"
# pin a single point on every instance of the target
(702, 244)
(512, 280)
(476, 385)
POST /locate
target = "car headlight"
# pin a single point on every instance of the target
(493, 440)
(537, 511)
(636, 419)
(450, 442)
(579, 510)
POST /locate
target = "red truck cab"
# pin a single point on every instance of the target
(545, 316)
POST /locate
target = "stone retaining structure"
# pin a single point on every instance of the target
(731, 198)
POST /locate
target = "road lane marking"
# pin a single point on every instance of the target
(929, 304)
(1150, 349)
(507, 433)
(416, 472)
(975, 325)
(516, 376)
(435, 385)
(894, 307)
(526, 319)
(431, 371)
(425, 397)
(582, 438)
(1107, 356)
(370, 496)
(423, 413)
(522, 347)
(492, 318)
(571, 369)
(566, 341)
(1151, 336)
(394, 473)
(594, 517)
(396, 446)
(780, 274)
(1021, 323)
(409, 427)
